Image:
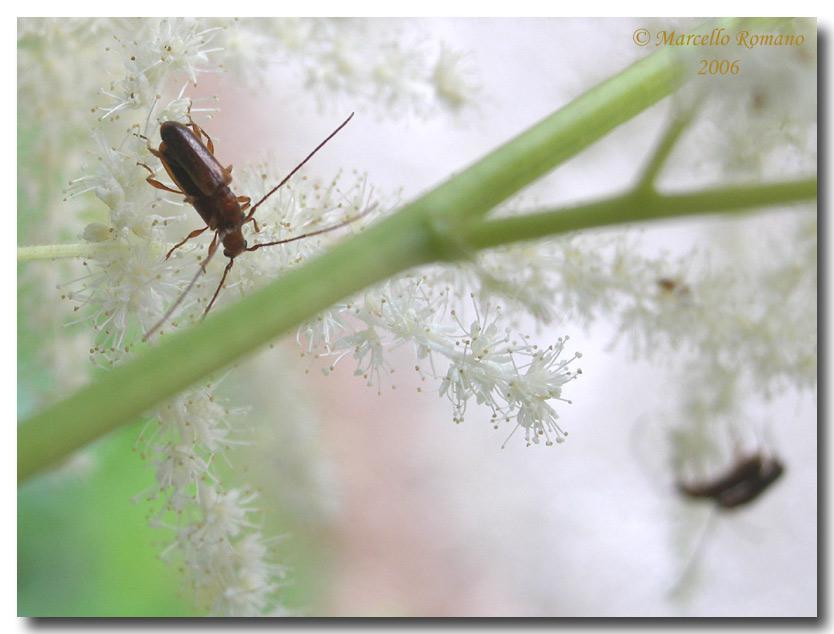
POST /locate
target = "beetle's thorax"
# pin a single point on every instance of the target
(205, 183)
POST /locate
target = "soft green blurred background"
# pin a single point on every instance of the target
(85, 550)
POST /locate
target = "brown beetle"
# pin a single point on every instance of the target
(742, 484)
(204, 182)
(752, 487)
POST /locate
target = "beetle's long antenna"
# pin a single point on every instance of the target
(684, 576)
(309, 234)
(269, 244)
(173, 307)
(298, 167)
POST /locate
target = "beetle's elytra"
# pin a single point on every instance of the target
(205, 183)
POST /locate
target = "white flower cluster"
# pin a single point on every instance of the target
(746, 330)
(217, 529)
(481, 362)
(747, 327)
(399, 73)
(151, 55)
(767, 118)
(128, 284)
(755, 320)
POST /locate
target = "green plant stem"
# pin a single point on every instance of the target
(56, 251)
(667, 143)
(427, 230)
(83, 250)
(641, 205)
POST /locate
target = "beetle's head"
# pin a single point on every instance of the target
(233, 243)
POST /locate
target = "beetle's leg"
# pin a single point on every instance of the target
(158, 154)
(199, 132)
(245, 201)
(193, 234)
(212, 248)
(156, 183)
(219, 286)
(173, 306)
(250, 215)
(148, 143)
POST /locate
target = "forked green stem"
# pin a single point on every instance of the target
(445, 224)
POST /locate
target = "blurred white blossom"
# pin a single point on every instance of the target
(738, 330)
